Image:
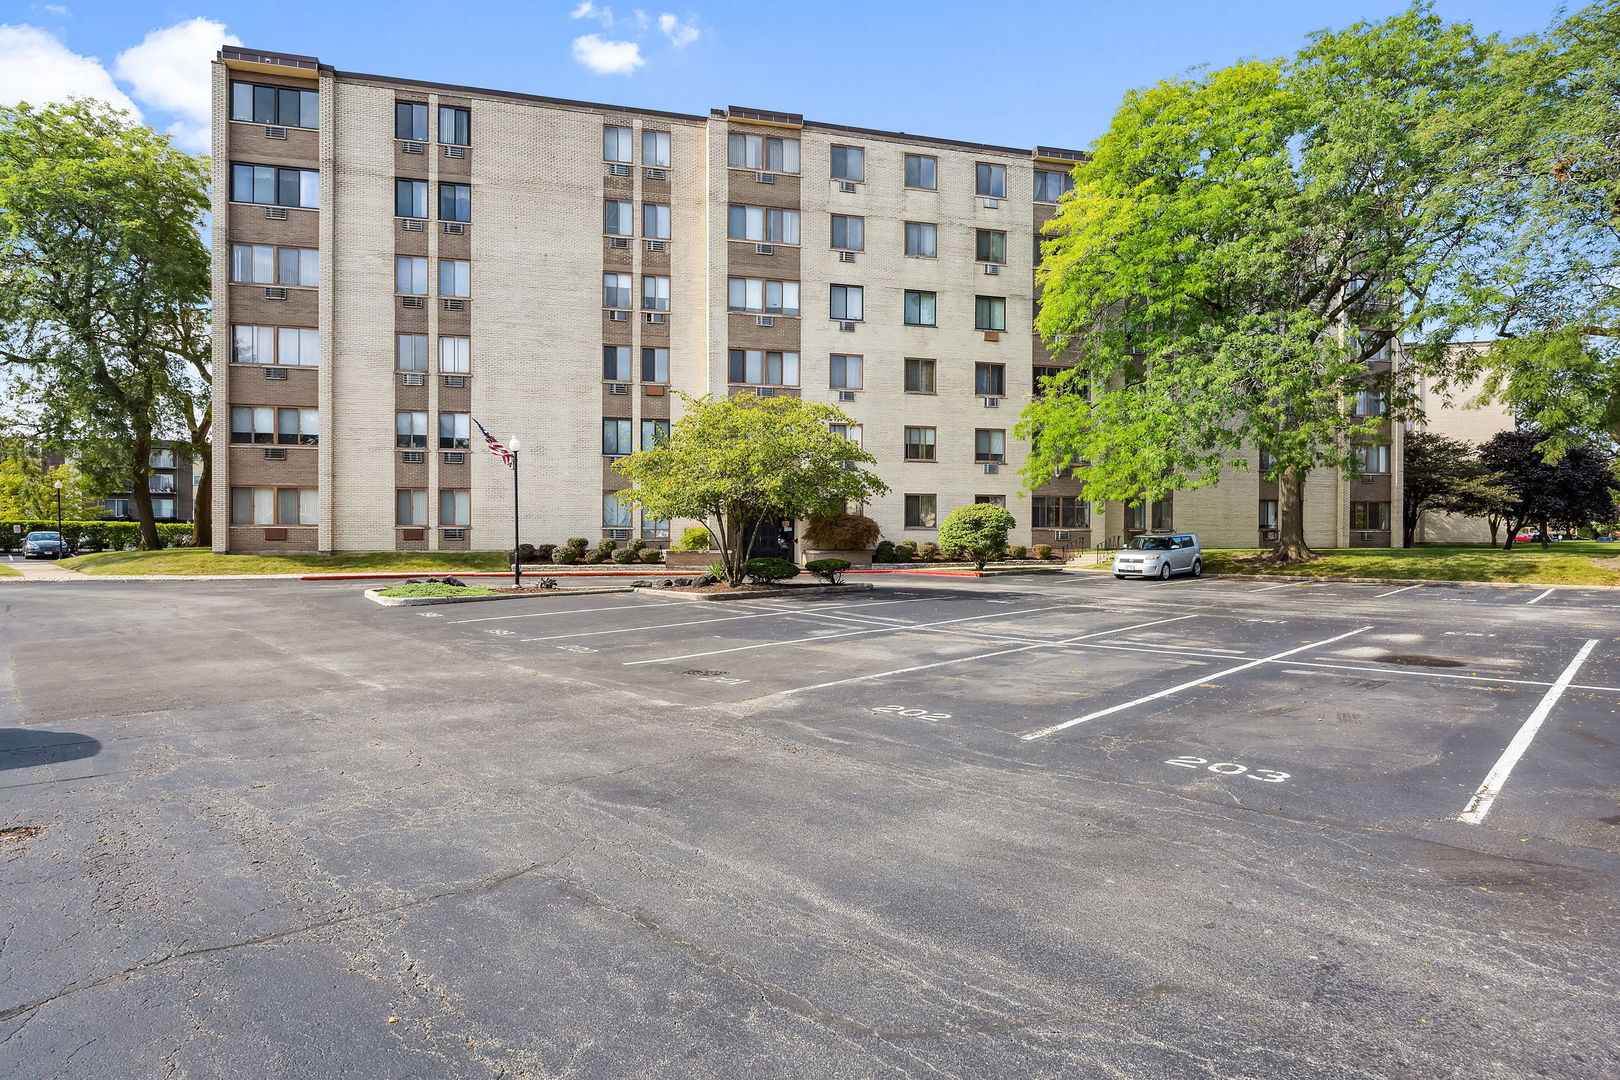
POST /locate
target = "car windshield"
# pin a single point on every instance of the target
(1148, 543)
(44, 536)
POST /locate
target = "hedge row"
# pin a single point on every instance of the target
(92, 535)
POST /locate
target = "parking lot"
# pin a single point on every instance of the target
(1052, 825)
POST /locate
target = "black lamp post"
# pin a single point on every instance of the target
(517, 560)
(58, 486)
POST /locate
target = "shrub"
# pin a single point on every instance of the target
(565, 557)
(93, 535)
(694, 539)
(652, 555)
(764, 571)
(717, 570)
(928, 552)
(829, 570)
(977, 531)
(841, 532)
(626, 556)
(577, 544)
(544, 552)
(1042, 551)
(605, 549)
(905, 551)
(1018, 551)
(636, 547)
(884, 552)
(596, 558)
(526, 553)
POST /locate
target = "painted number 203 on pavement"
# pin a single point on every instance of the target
(1229, 768)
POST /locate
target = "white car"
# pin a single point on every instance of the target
(1160, 555)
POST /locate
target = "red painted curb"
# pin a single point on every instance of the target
(649, 572)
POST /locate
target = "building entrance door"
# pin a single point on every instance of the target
(772, 539)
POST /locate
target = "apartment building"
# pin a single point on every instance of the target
(397, 262)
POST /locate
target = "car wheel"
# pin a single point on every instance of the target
(1164, 572)
(1198, 568)
(1119, 577)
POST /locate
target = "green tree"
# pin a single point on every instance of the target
(28, 488)
(977, 531)
(1578, 486)
(1434, 471)
(1239, 246)
(104, 287)
(733, 463)
(1484, 495)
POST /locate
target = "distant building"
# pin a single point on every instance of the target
(171, 483)
(1459, 414)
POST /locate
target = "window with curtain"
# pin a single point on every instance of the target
(844, 371)
(763, 367)
(455, 202)
(846, 302)
(410, 507)
(1051, 186)
(410, 430)
(921, 239)
(920, 443)
(272, 186)
(762, 153)
(280, 106)
(654, 292)
(616, 290)
(920, 308)
(655, 148)
(616, 437)
(848, 163)
(298, 427)
(990, 444)
(410, 121)
(410, 352)
(455, 431)
(919, 375)
(455, 277)
(455, 125)
(655, 221)
(653, 432)
(410, 275)
(410, 198)
(920, 512)
(921, 171)
(655, 365)
(616, 363)
(848, 233)
(616, 144)
(455, 507)
(990, 313)
(455, 355)
(990, 246)
(615, 514)
(990, 380)
(991, 180)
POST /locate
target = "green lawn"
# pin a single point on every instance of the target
(1571, 562)
(425, 589)
(7, 571)
(187, 561)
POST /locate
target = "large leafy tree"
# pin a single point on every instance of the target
(104, 285)
(1436, 471)
(1240, 245)
(733, 463)
(1577, 488)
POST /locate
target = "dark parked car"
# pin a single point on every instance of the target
(44, 545)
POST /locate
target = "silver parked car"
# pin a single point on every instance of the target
(1160, 555)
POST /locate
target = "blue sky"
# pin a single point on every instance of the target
(1014, 73)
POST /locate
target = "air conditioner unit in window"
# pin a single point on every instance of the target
(413, 457)
(271, 293)
(618, 170)
(455, 228)
(275, 453)
(992, 403)
(657, 245)
(991, 468)
(846, 395)
(846, 256)
(612, 459)
(618, 388)
(765, 177)
(992, 268)
(275, 373)
(618, 241)
(1366, 479)
(1268, 534)
(991, 204)
(455, 380)
(764, 320)
(618, 316)
(847, 327)
(1060, 535)
(411, 148)
(764, 249)
(657, 317)
(992, 335)
(273, 132)
(276, 213)
(616, 534)
(656, 174)
(412, 224)
(846, 186)
(455, 305)
(455, 534)
(765, 391)
(455, 151)
(414, 378)
(412, 301)
(455, 457)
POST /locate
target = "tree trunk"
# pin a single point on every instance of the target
(1513, 530)
(202, 505)
(1291, 546)
(1410, 517)
(1541, 527)
(1493, 523)
(140, 487)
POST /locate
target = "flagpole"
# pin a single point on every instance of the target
(517, 560)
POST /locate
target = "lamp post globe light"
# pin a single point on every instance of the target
(58, 486)
(517, 560)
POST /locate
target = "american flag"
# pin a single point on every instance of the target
(495, 446)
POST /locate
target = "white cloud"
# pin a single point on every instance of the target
(643, 20)
(37, 68)
(679, 33)
(56, 9)
(170, 71)
(588, 10)
(607, 57)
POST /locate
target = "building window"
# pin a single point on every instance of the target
(844, 372)
(410, 430)
(848, 233)
(655, 221)
(846, 302)
(852, 432)
(1268, 461)
(1372, 459)
(990, 444)
(410, 507)
(162, 483)
(1369, 515)
(617, 219)
(163, 509)
(116, 508)
(298, 427)
(655, 148)
(922, 172)
(290, 345)
(756, 294)
(1039, 385)
(1052, 186)
(616, 144)
(654, 365)
(615, 512)
(990, 380)
(455, 431)
(1164, 517)
(455, 277)
(848, 163)
(991, 500)
(410, 121)
(455, 507)
(654, 292)
(1370, 403)
(654, 529)
(762, 224)
(990, 246)
(455, 355)
(270, 506)
(270, 186)
(919, 376)
(616, 437)
(920, 444)
(410, 275)
(1058, 512)
(616, 363)
(410, 198)
(763, 368)
(991, 181)
(920, 513)
(277, 105)
(455, 125)
(653, 432)
(759, 152)
(616, 290)
(455, 202)
(990, 313)
(261, 264)
(1268, 513)
(410, 352)
(921, 239)
(921, 308)
(164, 459)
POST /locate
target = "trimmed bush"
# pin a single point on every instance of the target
(636, 546)
(829, 570)
(596, 558)
(841, 532)
(977, 531)
(652, 555)
(905, 551)
(565, 557)
(526, 552)
(605, 549)
(93, 535)
(625, 557)
(578, 545)
(1042, 551)
(694, 539)
(544, 552)
(1018, 551)
(764, 571)
(884, 552)
(928, 552)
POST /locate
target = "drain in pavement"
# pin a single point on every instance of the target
(704, 671)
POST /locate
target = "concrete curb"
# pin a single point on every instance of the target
(1300, 579)
(848, 586)
(376, 597)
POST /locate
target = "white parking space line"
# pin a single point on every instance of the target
(1055, 728)
(1392, 592)
(1284, 585)
(1538, 599)
(532, 614)
(695, 622)
(1480, 804)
